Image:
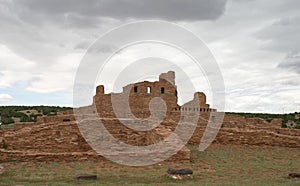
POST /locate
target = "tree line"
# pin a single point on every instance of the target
(9, 113)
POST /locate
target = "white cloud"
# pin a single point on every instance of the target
(13, 68)
(5, 98)
(58, 77)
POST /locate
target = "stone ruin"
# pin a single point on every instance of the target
(138, 97)
(57, 138)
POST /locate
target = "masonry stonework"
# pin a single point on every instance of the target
(58, 138)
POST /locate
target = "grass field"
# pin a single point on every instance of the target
(218, 165)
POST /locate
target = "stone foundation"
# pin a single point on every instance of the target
(63, 142)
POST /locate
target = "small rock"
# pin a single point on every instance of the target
(86, 177)
(176, 177)
(294, 175)
(180, 171)
(2, 169)
(179, 174)
(179, 177)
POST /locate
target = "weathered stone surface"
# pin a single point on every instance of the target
(63, 142)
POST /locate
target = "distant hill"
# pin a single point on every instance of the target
(12, 114)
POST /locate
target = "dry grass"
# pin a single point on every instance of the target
(218, 165)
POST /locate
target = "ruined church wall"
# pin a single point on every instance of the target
(136, 98)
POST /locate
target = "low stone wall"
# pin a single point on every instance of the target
(60, 118)
(29, 156)
(55, 138)
(239, 130)
(269, 137)
(26, 156)
(280, 137)
(237, 121)
(63, 142)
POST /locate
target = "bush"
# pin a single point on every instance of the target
(6, 120)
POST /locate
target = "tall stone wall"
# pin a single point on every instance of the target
(136, 98)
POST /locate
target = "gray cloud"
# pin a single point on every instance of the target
(175, 10)
(42, 30)
(292, 62)
(281, 34)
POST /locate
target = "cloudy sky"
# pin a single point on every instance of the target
(256, 44)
